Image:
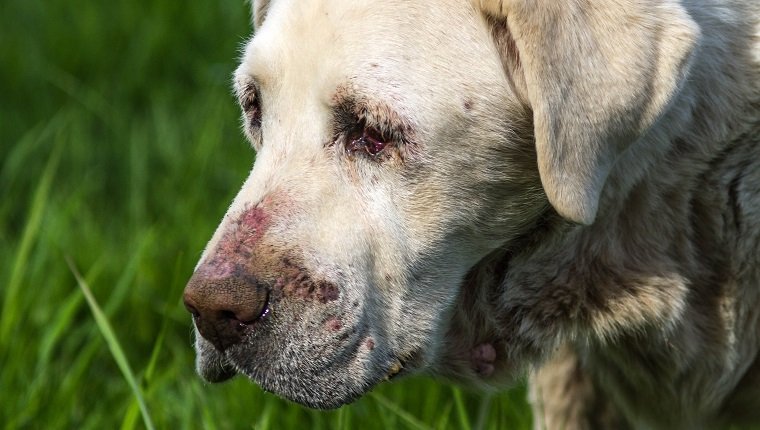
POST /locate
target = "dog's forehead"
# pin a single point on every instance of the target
(357, 36)
(418, 57)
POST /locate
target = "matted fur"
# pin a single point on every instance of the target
(571, 189)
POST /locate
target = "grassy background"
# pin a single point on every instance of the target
(119, 152)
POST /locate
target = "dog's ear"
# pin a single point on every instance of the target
(259, 11)
(597, 74)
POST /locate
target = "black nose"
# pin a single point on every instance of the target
(224, 307)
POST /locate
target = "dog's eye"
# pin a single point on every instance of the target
(250, 103)
(367, 139)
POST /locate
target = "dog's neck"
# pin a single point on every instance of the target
(659, 244)
(623, 276)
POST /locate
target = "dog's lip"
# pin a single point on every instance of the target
(219, 367)
(214, 366)
(226, 372)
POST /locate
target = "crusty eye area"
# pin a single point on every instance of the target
(368, 139)
(250, 101)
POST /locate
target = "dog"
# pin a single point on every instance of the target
(482, 190)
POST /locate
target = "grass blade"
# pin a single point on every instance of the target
(131, 416)
(113, 344)
(404, 415)
(464, 419)
(483, 411)
(31, 230)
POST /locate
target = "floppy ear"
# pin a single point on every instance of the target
(597, 74)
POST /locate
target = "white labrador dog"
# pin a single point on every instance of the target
(479, 189)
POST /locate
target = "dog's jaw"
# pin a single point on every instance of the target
(298, 374)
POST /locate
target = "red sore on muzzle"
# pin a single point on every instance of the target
(223, 295)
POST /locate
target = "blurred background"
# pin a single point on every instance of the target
(120, 150)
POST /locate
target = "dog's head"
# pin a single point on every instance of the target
(399, 143)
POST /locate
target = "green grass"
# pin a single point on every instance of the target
(119, 152)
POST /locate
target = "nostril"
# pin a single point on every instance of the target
(229, 315)
(190, 308)
(234, 322)
(234, 319)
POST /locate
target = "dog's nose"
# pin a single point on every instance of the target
(224, 308)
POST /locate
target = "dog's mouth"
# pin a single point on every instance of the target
(318, 357)
(318, 381)
(217, 366)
